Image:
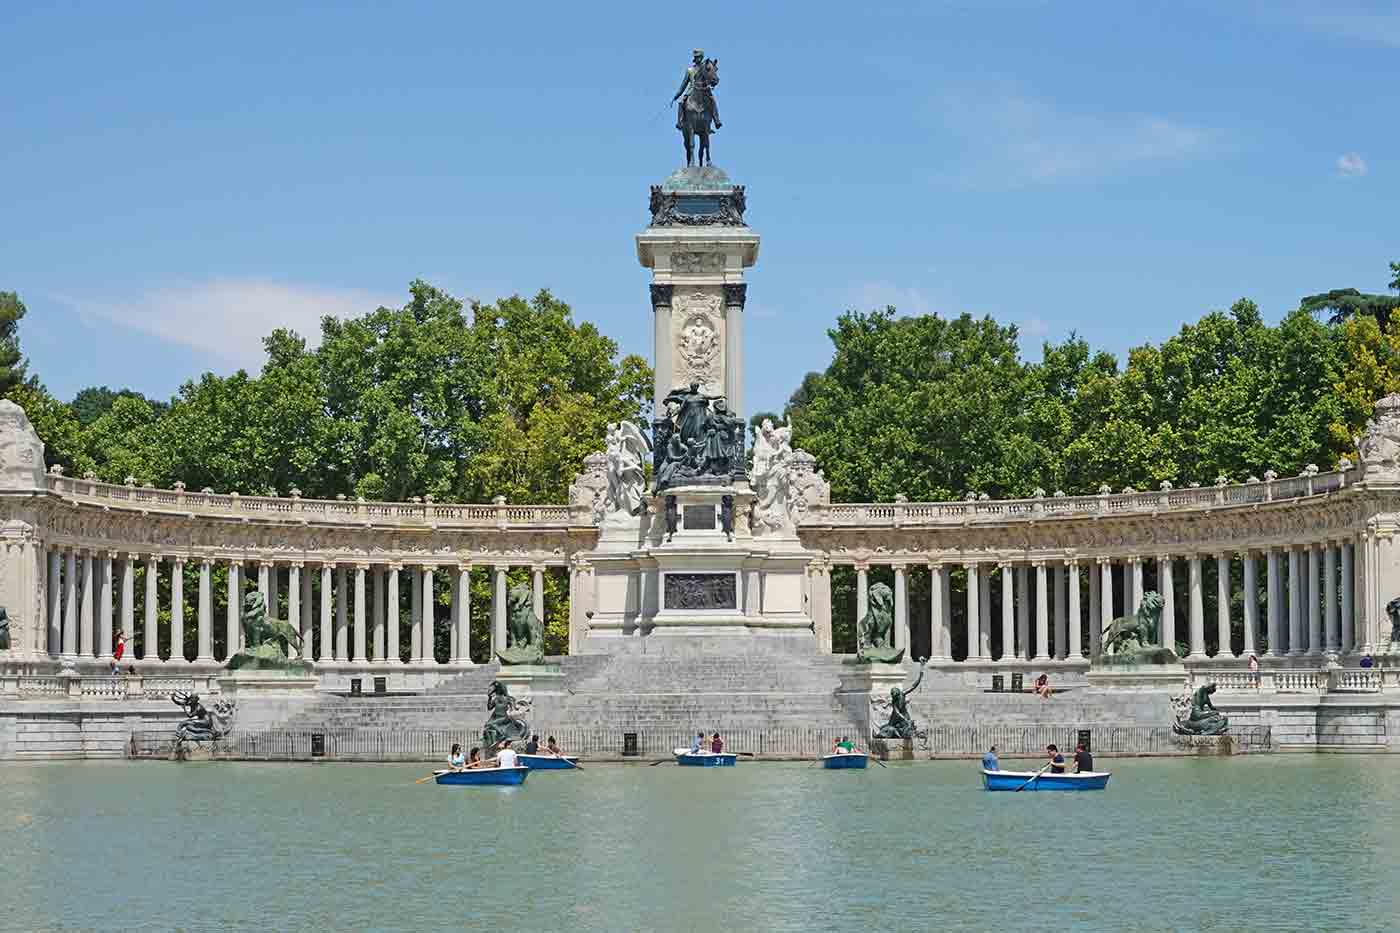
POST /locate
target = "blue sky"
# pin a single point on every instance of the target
(177, 179)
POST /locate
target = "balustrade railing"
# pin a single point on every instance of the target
(103, 687)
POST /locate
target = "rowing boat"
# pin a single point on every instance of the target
(484, 776)
(705, 759)
(1010, 780)
(845, 760)
(548, 762)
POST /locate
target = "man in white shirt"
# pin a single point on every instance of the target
(506, 757)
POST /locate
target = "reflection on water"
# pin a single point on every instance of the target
(1266, 842)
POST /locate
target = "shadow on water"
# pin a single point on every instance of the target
(1265, 842)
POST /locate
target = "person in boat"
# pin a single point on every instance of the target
(532, 747)
(457, 761)
(1057, 761)
(1083, 761)
(1042, 687)
(989, 760)
(553, 748)
(473, 758)
(506, 757)
(717, 745)
(698, 745)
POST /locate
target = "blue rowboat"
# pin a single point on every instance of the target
(1010, 780)
(705, 759)
(548, 762)
(484, 776)
(845, 760)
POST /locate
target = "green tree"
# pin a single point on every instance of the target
(95, 401)
(12, 362)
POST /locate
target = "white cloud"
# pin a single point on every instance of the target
(230, 317)
(1351, 165)
(1013, 139)
(871, 296)
(1033, 328)
(1371, 23)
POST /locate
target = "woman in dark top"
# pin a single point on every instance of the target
(716, 744)
(1083, 761)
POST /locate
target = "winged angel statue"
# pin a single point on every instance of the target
(772, 478)
(628, 451)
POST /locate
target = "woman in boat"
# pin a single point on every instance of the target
(717, 744)
(474, 759)
(456, 760)
(553, 748)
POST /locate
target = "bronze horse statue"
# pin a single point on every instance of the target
(698, 112)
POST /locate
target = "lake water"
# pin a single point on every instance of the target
(1264, 842)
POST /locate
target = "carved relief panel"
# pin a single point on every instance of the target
(697, 338)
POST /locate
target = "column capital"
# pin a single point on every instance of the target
(500, 568)
(1072, 563)
(661, 296)
(264, 562)
(394, 565)
(1038, 563)
(179, 560)
(900, 569)
(1102, 559)
(735, 294)
(861, 564)
(329, 565)
(538, 568)
(362, 565)
(134, 556)
(207, 561)
(1006, 564)
(152, 558)
(296, 564)
(465, 566)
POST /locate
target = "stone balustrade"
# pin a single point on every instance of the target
(105, 687)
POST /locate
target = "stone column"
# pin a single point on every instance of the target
(54, 590)
(377, 627)
(661, 321)
(1042, 612)
(1295, 603)
(326, 643)
(1008, 613)
(974, 612)
(1222, 606)
(1196, 621)
(862, 591)
(177, 610)
(359, 639)
(70, 604)
(265, 588)
(1095, 613)
(308, 616)
(342, 613)
(1023, 614)
(498, 609)
(415, 614)
(104, 607)
(1251, 601)
(941, 636)
(537, 591)
(984, 621)
(462, 616)
(1168, 593)
(1271, 596)
(1348, 600)
(1314, 604)
(1334, 641)
(232, 630)
(151, 649)
(205, 653)
(392, 655)
(1061, 619)
(87, 624)
(427, 638)
(734, 296)
(294, 606)
(1076, 621)
(128, 603)
(900, 636)
(1137, 584)
(946, 601)
(1105, 594)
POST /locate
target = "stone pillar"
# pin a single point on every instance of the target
(205, 651)
(128, 602)
(1348, 600)
(1196, 622)
(1023, 614)
(265, 588)
(377, 626)
(151, 648)
(308, 616)
(753, 592)
(821, 601)
(1136, 564)
(427, 637)
(498, 609)
(1295, 603)
(1329, 589)
(1251, 601)
(177, 610)
(342, 613)
(862, 591)
(462, 616)
(734, 297)
(941, 636)
(104, 607)
(415, 614)
(946, 584)
(1076, 621)
(1061, 619)
(1168, 592)
(1272, 594)
(1042, 612)
(325, 644)
(70, 605)
(1314, 604)
(1095, 613)
(974, 612)
(392, 655)
(232, 630)
(537, 591)
(1222, 606)
(87, 626)
(1008, 613)
(1105, 594)
(900, 635)
(359, 639)
(54, 590)
(294, 606)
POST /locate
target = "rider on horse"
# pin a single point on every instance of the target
(699, 81)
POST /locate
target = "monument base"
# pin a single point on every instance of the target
(1170, 677)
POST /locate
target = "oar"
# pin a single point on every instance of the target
(1034, 776)
(877, 761)
(429, 777)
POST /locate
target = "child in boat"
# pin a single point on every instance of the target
(456, 760)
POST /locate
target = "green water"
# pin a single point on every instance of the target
(1266, 842)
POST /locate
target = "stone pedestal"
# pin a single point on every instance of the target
(1167, 677)
(861, 684)
(527, 680)
(266, 698)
